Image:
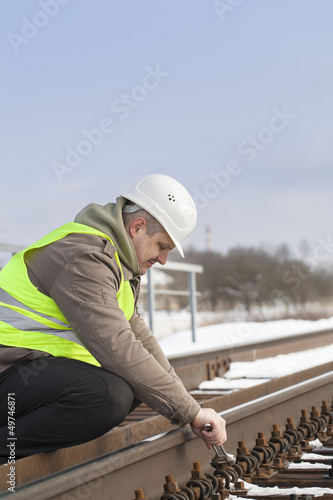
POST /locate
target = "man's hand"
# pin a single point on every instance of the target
(218, 433)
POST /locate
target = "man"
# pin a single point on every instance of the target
(75, 355)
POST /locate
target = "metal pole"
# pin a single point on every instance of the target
(150, 298)
(193, 303)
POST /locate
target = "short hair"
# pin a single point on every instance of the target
(153, 226)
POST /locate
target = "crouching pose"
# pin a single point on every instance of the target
(74, 352)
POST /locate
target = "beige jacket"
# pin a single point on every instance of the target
(82, 276)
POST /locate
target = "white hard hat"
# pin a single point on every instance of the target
(169, 202)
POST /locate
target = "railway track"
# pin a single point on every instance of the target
(148, 458)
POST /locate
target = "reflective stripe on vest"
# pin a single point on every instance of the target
(32, 320)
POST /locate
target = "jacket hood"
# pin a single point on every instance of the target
(108, 219)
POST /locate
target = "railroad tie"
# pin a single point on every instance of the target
(269, 463)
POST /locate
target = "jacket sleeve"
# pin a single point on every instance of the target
(85, 289)
(143, 333)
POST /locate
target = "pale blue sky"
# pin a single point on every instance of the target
(222, 82)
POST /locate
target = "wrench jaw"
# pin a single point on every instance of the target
(221, 456)
(217, 461)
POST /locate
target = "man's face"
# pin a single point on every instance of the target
(150, 249)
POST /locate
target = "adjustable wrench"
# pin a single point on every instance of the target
(221, 457)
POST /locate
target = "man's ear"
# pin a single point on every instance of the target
(136, 226)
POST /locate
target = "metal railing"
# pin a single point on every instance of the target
(10, 248)
(192, 270)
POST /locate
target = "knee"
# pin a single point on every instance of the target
(118, 402)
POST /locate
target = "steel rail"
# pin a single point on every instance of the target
(44, 464)
(193, 368)
(116, 475)
(250, 351)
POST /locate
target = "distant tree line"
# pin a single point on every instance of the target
(256, 278)
(252, 278)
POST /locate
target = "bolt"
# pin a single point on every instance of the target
(239, 485)
(170, 485)
(276, 431)
(139, 495)
(197, 472)
(261, 472)
(221, 493)
(261, 440)
(225, 494)
(220, 496)
(220, 486)
(242, 448)
(303, 416)
(277, 463)
(290, 424)
(314, 412)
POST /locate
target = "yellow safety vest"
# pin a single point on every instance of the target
(30, 319)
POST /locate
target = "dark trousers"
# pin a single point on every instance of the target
(58, 402)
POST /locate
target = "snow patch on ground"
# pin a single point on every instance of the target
(253, 489)
(316, 456)
(248, 373)
(308, 465)
(316, 443)
(232, 334)
(220, 383)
